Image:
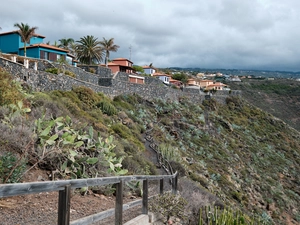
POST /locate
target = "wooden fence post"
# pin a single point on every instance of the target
(161, 186)
(119, 204)
(64, 206)
(145, 197)
(174, 184)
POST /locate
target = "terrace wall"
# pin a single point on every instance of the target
(111, 85)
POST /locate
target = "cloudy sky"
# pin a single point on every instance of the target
(229, 34)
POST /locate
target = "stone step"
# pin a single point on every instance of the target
(139, 220)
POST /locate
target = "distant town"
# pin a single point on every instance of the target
(239, 73)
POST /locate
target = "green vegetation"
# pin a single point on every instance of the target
(227, 216)
(26, 32)
(66, 43)
(169, 205)
(10, 90)
(243, 156)
(180, 76)
(88, 50)
(138, 68)
(57, 71)
(11, 170)
(279, 97)
(108, 46)
(277, 88)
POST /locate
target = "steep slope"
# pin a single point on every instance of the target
(280, 97)
(245, 156)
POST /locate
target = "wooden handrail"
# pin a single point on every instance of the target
(64, 187)
(8, 190)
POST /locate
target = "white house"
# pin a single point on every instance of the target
(163, 77)
(149, 70)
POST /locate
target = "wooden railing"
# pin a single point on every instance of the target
(64, 187)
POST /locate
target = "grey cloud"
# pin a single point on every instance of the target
(210, 34)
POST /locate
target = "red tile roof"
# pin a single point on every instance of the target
(216, 85)
(121, 59)
(160, 74)
(47, 46)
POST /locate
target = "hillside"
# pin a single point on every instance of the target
(243, 155)
(280, 97)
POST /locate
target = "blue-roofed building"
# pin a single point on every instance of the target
(11, 43)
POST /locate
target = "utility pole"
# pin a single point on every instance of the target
(130, 52)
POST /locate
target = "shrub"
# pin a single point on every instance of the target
(92, 70)
(69, 73)
(11, 169)
(107, 108)
(52, 70)
(87, 96)
(169, 152)
(169, 205)
(119, 102)
(121, 130)
(176, 166)
(10, 90)
(228, 216)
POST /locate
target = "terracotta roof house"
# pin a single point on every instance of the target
(10, 42)
(205, 83)
(149, 70)
(216, 86)
(193, 82)
(120, 65)
(176, 83)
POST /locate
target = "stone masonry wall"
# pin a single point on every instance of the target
(100, 70)
(118, 85)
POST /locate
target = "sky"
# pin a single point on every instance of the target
(212, 34)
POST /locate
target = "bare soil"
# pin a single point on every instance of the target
(39, 209)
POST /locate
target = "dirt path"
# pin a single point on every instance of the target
(41, 209)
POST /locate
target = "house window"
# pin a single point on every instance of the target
(46, 55)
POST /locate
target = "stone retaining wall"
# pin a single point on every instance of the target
(112, 86)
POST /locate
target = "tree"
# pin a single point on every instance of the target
(138, 68)
(65, 43)
(180, 76)
(108, 46)
(26, 32)
(72, 48)
(55, 44)
(89, 50)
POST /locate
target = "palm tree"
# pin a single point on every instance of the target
(65, 43)
(26, 32)
(108, 46)
(55, 44)
(88, 50)
(72, 49)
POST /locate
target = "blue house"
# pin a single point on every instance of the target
(11, 43)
